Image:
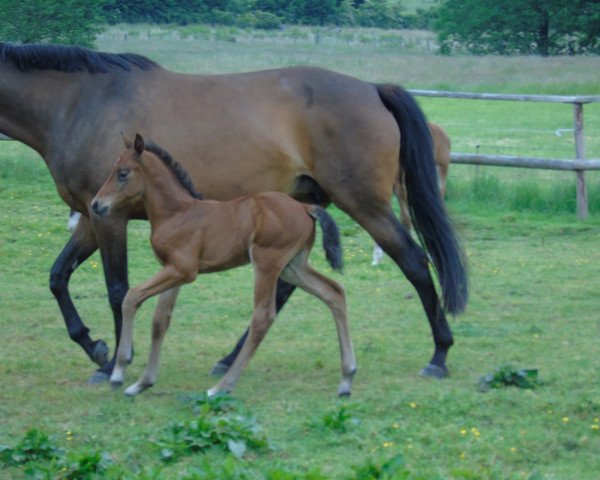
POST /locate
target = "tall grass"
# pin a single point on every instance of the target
(486, 188)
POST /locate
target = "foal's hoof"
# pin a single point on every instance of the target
(115, 385)
(344, 393)
(219, 369)
(100, 353)
(137, 388)
(435, 371)
(98, 377)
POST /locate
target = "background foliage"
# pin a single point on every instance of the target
(519, 27)
(51, 21)
(543, 27)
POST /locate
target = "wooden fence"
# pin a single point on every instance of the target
(578, 164)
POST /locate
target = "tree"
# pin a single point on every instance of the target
(314, 12)
(381, 14)
(512, 26)
(72, 22)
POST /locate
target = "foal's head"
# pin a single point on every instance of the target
(125, 185)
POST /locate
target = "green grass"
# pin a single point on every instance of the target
(533, 305)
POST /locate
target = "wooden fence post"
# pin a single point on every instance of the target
(582, 203)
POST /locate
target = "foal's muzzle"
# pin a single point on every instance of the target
(99, 210)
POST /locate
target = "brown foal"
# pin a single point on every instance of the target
(270, 230)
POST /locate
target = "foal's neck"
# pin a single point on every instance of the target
(164, 196)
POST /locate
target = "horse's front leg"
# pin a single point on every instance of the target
(168, 278)
(284, 291)
(78, 249)
(111, 234)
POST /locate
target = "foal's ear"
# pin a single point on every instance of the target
(128, 143)
(138, 144)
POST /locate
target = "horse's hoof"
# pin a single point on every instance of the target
(344, 393)
(98, 377)
(435, 371)
(219, 369)
(100, 353)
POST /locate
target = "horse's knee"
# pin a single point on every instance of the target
(58, 282)
(59, 278)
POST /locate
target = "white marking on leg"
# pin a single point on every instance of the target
(377, 255)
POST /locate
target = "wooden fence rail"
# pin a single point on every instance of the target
(579, 164)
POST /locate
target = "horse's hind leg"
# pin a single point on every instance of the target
(78, 249)
(396, 241)
(284, 291)
(298, 272)
(160, 325)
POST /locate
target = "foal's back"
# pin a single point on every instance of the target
(214, 236)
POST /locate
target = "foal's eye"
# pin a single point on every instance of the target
(122, 175)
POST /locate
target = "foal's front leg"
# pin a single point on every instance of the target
(169, 277)
(160, 325)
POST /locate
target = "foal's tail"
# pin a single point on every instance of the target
(427, 211)
(331, 236)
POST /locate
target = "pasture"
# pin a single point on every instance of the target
(534, 302)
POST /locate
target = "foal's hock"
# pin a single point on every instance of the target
(190, 235)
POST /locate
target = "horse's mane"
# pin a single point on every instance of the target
(178, 171)
(70, 59)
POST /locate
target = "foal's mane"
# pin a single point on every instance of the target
(70, 59)
(178, 171)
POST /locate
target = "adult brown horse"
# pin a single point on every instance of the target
(317, 135)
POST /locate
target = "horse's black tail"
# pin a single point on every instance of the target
(331, 237)
(427, 211)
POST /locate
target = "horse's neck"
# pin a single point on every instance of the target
(164, 196)
(35, 103)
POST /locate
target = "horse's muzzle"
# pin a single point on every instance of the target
(99, 210)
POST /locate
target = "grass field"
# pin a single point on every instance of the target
(533, 305)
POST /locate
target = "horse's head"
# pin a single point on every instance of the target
(124, 186)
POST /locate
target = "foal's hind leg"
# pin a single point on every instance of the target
(160, 325)
(298, 272)
(263, 317)
(284, 291)
(396, 241)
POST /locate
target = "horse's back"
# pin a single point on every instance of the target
(245, 133)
